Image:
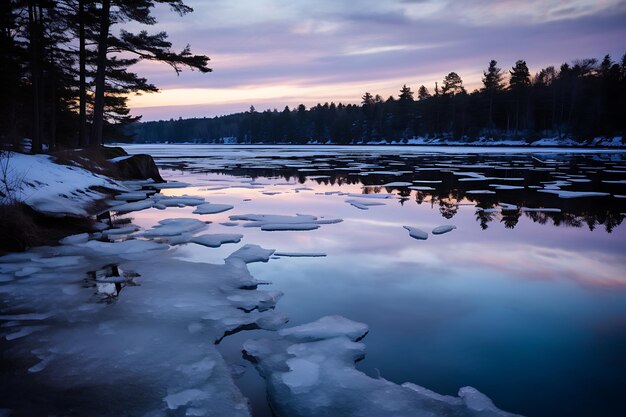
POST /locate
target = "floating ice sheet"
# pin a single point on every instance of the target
(439, 230)
(416, 233)
(310, 372)
(210, 208)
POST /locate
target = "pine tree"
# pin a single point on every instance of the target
(422, 93)
(142, 45)
(367, 99)
(520, 76)
(405, 93)
(519, 81)
(492, 79)
(493, 83)
(452, 84)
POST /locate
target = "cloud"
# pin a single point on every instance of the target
(327, 49)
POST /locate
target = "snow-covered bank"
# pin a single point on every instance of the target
(48, 187)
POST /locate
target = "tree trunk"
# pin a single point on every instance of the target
(35, 57)
(98, 110)
(82, 84)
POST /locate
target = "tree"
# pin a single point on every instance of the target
(492, 78)
(406, 94)
(493, 83)
(367, 99)
(142, 45)
(422, 93)
(520, 76)
(452, 84)
(518, 83)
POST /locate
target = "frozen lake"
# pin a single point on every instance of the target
(525, 299)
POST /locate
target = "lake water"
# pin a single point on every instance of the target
(528, 306)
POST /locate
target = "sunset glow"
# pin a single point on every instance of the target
(269, 54)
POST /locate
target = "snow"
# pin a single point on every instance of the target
(135, 206)
(439, 230)
(381, 196)
(300, 254)
(209, 208)
(506, 187)
(171, 184)
(50, 188)
(174, 227)
(541, 209)
(216, 240)
(364, 204)
(249, 254)
(325, 328)
(480, 192)
(132, 196)
(275, 222)
(416, 233)
(574, 194)
(421, 188)
(119, 158)
(397, 184)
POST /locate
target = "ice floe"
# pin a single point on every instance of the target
(173, 227)
(212, 208)
(364, 204)
(574, 194)
(216, 240)
(397, 184)
(300, 254)
(310, 372)
(416, 233)
(480, 192)
(439, 230)
(381, 195)
(275, 222)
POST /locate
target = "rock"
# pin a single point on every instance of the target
(139, 167)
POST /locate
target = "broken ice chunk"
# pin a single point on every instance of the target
(416, 233)
(216, 240)
(209, 208)
(173, 227)
(325, 328)
(439, 230)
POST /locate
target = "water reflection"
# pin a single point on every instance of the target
(451, 180)
(528, 306)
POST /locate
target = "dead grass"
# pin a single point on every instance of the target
(92, 159)
(21, 227)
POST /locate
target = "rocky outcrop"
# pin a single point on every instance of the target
(138, 167)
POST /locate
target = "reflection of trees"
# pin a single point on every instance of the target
(450, 192)
(484, 218)
(448, 209)
(510, 219)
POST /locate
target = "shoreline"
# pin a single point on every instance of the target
(333, 337)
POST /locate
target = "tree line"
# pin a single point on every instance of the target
(65, 71)
(580, 100)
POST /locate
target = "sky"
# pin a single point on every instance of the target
(273, 53)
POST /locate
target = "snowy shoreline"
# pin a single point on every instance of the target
(104, 307)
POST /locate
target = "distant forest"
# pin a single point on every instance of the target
(581, 100)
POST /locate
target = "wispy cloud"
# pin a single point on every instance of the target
(330, 50)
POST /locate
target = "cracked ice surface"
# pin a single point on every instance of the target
(311, 372)
(151, 349)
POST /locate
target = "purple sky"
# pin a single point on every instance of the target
(272, 53)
